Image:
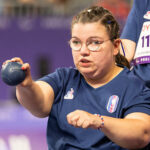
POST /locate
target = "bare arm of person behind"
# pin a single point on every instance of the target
(129, 48)
(37, 96)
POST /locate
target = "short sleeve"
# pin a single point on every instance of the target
(130, 28)
(55, 80)
(139, 102)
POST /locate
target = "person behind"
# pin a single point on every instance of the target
(99, 104)
(136, 39)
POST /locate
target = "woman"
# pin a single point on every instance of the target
(97, 106)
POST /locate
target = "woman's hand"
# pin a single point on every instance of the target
(83, 119)
(25, 66)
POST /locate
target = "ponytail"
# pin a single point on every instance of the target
(122, 60)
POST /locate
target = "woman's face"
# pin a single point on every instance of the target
(93, 64)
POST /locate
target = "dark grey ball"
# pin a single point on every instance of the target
(12, 74)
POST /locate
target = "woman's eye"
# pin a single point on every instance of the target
(76, 42)
(96, 42)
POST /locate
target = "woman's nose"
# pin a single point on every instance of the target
(84, 50)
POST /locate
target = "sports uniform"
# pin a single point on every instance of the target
(137, 29)
(121, 96)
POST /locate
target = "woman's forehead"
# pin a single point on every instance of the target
(89, 29)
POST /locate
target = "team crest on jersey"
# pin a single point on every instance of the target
(147, 15)
(112, 103)
(69, 94)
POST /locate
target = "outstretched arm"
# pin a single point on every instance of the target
(132, 132)
(37, 96)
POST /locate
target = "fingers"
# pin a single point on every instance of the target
(83, 119)
(72, 119)
(26, 67)
(17, 59)
(28, 80)
(86, 124)
(79, 118)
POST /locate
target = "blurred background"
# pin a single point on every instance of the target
(38, 32)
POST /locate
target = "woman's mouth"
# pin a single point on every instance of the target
(84, 63)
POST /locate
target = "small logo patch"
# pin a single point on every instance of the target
(112, 103)
(69, 94)
(147, 15)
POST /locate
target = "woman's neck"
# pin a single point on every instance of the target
(100, 81)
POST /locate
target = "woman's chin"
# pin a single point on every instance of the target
(86, 71)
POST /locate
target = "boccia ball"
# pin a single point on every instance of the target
(12, 74)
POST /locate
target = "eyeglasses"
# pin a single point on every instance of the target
(93, 44)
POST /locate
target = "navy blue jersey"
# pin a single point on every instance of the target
(123, 95)
(137, 29)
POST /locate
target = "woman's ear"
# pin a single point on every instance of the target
(116, 46)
